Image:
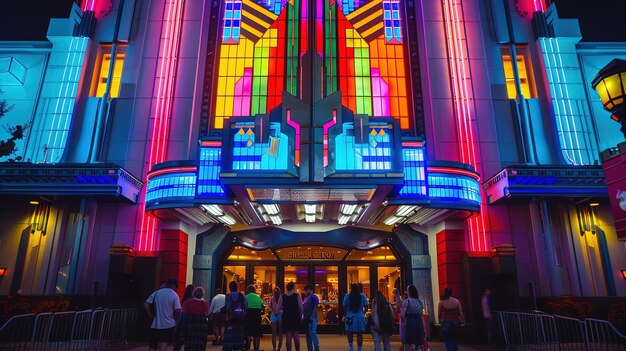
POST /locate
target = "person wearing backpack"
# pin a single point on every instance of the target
(236, 306)
(382, 321)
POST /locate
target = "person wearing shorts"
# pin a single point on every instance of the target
(163, 307)
(276, 318)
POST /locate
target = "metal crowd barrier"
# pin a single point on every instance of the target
(538, 331)
(67, 331)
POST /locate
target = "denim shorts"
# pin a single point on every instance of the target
(275, 318)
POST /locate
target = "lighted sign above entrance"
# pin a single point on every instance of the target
(313, 253)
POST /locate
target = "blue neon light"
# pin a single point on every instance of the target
(414, 173)
(171, 187)
(209, 172)
(58, 98)
(249, 155)
(374, 155)
(571, 110)
(453, 187)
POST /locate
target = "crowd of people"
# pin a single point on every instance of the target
(236, 318)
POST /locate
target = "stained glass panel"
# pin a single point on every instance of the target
(360, 44)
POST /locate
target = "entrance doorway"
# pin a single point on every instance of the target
(331, 270)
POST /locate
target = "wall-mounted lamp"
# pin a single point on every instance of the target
(624, 273)
(3, 271)
(610, 84)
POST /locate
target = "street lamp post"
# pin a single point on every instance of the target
(610, 84)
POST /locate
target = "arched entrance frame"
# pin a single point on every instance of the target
(410, 246)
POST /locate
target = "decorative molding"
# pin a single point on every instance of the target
(415, 242)
(204, 262)
(209, 241)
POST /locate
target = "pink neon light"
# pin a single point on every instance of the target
(449, 170)
(464, 106)
(88, 5)
(326, 127)
(380, 94)
(412, 144)
(243, 93)
(162, 107)
(539, 5)
(171, 170)
(296, 127)
(209, 143)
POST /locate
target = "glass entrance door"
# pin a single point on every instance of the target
(327, 289)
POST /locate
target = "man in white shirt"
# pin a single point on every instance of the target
(163, 307)
(218, 316)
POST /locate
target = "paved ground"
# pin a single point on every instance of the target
(327, 343)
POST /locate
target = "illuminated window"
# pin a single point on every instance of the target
(232, 21)
(103, 73)
(393, 28)
(525, 73)
(360, 42)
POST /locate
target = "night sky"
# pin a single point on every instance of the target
(28, 19)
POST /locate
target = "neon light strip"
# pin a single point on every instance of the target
(296, 127)
(327, 126)
(463, 100)
(412, 144)
(88, 5)
(458, 171)
(58, 129)
(208, 143)
(171, 170)
(540, 5)
(162, 106)
(565, 115)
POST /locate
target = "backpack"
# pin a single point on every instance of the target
(385, 318)
(237, 309)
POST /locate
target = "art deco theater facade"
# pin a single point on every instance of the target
(380, 142)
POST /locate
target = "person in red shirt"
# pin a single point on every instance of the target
(195, 322)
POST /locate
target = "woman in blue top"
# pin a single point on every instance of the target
(355, 305)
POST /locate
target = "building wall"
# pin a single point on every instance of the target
(497, 143)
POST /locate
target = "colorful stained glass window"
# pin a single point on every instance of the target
(359, 42)
(232, 22)
(250, 155)
(373, 155)
(393, 26)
